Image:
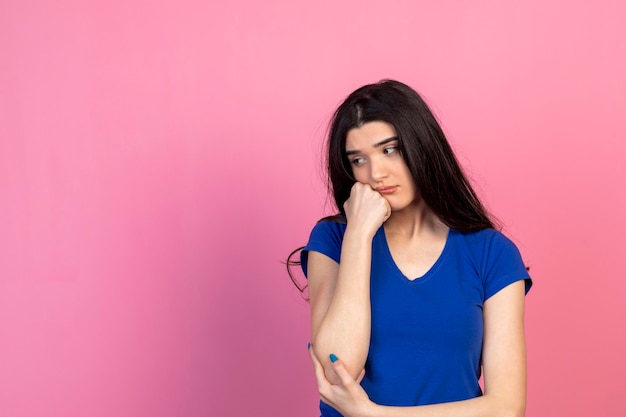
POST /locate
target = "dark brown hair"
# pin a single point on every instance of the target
(434, 168)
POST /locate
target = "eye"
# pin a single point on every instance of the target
(357, 161)
(390, 150)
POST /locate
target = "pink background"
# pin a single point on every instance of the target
(159, 159)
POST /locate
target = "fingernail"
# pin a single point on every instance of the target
(309, 346)
(333, 358)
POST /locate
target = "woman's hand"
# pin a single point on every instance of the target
(347, 396)
(366, 208)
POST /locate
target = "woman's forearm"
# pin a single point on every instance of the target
(485, 406)
(346, 326)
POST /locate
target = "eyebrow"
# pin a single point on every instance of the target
(376, 145)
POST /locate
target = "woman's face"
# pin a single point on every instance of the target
(375, 158)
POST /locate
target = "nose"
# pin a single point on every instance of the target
(378, 169)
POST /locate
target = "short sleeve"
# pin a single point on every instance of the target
(326, 238)
(502, 265)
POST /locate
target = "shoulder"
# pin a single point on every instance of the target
(329, 227)
(487, 242)
(495, 257)
(326, 238)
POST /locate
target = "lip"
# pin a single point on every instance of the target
(387, 189)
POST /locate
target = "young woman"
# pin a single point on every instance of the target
(412, 290)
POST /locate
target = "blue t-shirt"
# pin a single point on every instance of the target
(427, 333)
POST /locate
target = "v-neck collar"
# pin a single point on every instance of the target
(431, 271)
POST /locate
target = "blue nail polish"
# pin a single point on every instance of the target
(309, 346)
(333, 358)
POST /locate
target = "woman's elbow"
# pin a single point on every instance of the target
(506, 406)
(516, 409)
(323, 355)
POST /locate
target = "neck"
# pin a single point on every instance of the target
(415, 221)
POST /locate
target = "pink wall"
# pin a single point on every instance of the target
(159, 159)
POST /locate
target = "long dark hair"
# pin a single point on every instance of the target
(435, 170)
(437, 174)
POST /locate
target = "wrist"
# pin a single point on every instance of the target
(359, 232)
(373, 410)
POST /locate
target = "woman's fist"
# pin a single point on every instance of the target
(366, 208)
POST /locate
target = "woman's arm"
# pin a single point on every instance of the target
(340, 305)
(340, 293)
(504, 364)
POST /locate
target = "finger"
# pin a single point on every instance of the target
(323, 385)
(388, 213)
(361, 376)
(359, 188)
(314, 360)
(320, 376)
(354, 187)
(341, 370)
